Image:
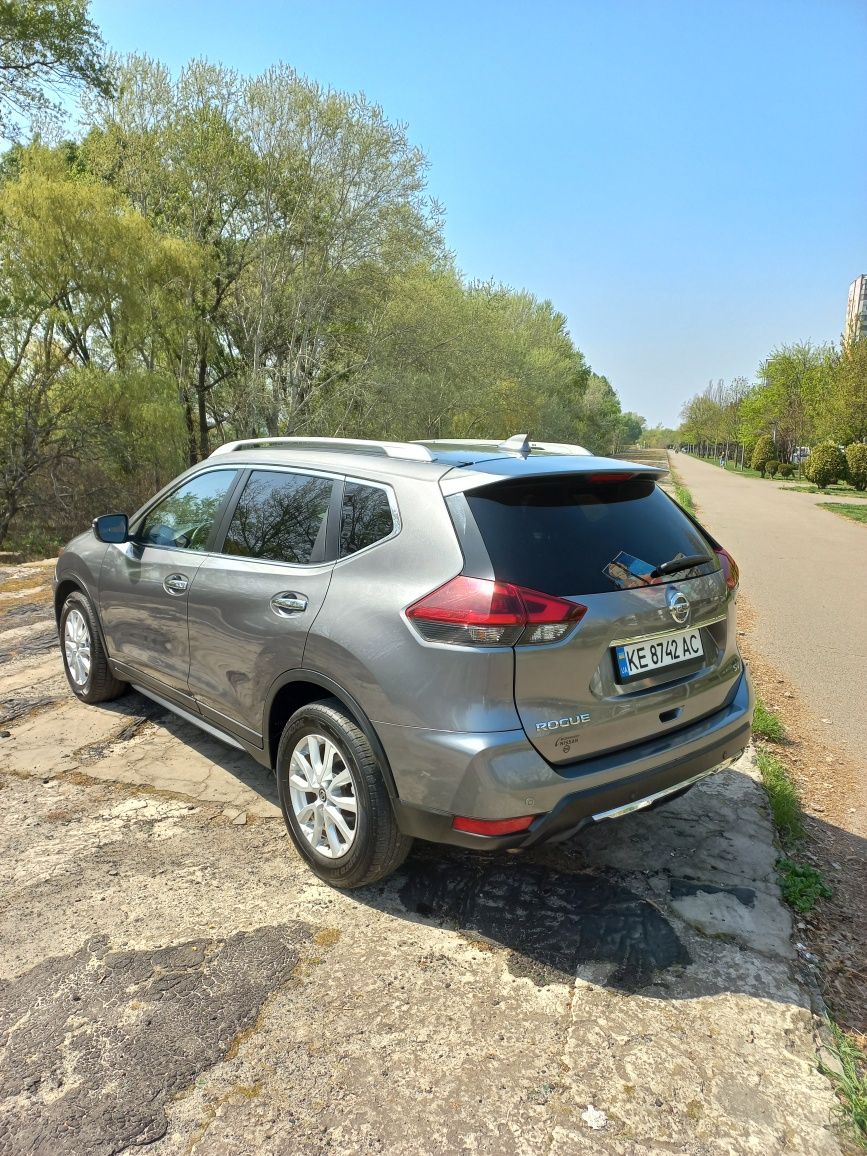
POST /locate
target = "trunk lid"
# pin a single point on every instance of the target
(597, 541)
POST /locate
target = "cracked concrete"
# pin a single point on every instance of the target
(170, 975)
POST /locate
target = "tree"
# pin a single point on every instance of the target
(825, 465)
(80, 278)
(765, 451)
(793, 380)
(856, 464)
(844, 414)
(47, 48)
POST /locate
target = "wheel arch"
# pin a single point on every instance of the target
(297, 688)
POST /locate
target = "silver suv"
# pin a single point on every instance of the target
(474, 643)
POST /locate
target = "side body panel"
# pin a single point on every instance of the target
(363, 641)
(145, 626)
(238, 644)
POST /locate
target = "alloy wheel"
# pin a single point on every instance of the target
(322, 793)
(76, 646)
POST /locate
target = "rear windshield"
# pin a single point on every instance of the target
(565, 535)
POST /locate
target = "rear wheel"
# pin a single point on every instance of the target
(84, 659)
(334, 798)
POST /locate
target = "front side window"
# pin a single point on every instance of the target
(280, 517)
(366, 517)
(186, 517)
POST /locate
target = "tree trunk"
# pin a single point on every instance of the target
(204, 446)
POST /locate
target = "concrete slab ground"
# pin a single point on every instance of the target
(171, 973)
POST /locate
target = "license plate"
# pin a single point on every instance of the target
(635, 659)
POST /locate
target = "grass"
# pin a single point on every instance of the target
(767, 724)
(855, 513)
(782, 795)
(802, 886)
(840, 488)
(850, 1082)
(684, 497)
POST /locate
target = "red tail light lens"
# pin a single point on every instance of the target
(729, 568)
(603, 479)
(481, 612)
(492, 826)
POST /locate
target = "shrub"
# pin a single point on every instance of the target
(825, 465)
(772, 466)
(786, 469)
(763, 453)
(856, 460)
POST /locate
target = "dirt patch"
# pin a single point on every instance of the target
(830, 783)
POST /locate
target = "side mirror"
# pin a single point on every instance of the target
(111, 528)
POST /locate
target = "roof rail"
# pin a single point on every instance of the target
(411, 450)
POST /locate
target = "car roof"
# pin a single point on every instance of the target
(424, 460)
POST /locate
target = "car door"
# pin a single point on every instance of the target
(144, 583)
(251, 606)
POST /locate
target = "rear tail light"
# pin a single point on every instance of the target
(729, 568)
(481, 612)
(608, 479)
(492, 826)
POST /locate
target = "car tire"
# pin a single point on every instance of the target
(355, 839)
(84, 659)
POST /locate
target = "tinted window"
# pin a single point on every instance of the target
(559, 535)
(366, 517)
(280, 517)
(186, 517)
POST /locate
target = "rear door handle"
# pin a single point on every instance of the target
(289, 603)
(176, 584)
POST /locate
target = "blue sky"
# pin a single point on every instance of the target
(685, 179)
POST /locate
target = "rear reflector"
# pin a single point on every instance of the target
(729, 568)
(492, 826)
(482, 612)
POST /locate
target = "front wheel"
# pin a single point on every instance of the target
(84, 659)
(334, 798)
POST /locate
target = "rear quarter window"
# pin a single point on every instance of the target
(366, 517)
(558, 535)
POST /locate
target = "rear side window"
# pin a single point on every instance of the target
(560, 535)
(366, 517)
(280, 517)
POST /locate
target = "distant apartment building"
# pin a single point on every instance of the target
(856, 310)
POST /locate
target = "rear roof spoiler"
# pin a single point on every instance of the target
(491, 470)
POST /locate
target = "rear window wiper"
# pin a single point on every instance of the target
(677, 564)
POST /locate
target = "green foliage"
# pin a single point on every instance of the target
(767, 724)
(782, 796)
(47, 47)
(849, 1077)
(802, 886)
(856, 464)
(825, 465)
(763, 453)
(772, 466)
(684, 497)
(786, 470)
(846, 510)
(222, 256)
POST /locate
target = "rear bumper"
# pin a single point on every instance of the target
(503, 776)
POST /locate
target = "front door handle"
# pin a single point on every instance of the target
(176, 584)
(289, 603)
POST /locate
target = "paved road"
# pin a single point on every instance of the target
(805, 572)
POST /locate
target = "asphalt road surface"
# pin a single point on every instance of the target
(804, 570)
